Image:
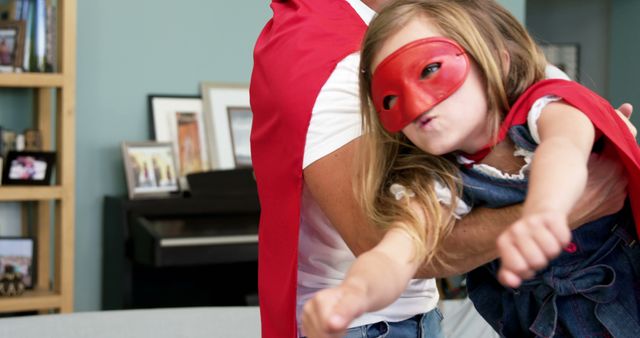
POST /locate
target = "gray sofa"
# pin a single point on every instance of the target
(210, 322)
(460, 321)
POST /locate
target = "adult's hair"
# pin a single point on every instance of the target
(509, 62)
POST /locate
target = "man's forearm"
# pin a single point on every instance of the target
(471, 243)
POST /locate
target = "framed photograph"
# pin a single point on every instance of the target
(179, 120)
(28, 168)
(150, 169)
(565, 56)
(32, 140)
(228, 117)
(11, 45)
(8, 141)
(19, 252)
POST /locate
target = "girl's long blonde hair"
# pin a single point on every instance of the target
(509, 61)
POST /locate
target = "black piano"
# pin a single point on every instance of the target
(195, 249)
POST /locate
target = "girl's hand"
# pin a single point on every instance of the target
(529, 244)
(329, 312)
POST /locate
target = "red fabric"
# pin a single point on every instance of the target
(620, 144)
(293, 57)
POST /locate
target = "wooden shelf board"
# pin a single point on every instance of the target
(29, 193)
(31, 80)
(31, 300)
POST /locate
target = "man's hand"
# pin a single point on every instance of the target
(625, 111)
(606, 188)
(604, 194)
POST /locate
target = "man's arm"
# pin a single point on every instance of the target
(329, 180)
(473, 241)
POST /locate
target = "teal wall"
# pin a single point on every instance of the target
(624, 53)
(516, 7)
(126, 50)
(552, 21)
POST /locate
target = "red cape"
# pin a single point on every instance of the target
(620, 144)
(294, 56)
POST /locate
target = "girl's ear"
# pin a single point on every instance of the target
(506, 61)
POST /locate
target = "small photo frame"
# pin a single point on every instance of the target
(19, 252)
(28, 168)
(228, 117)
(150, 169)
(240, 119)
(11, 45)
(565, 56)
(8, 141)
(178, 119)
(32, 140)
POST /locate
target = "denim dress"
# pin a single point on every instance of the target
(591, 290)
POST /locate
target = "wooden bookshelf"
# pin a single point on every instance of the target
(54, 282)
(30, 80)
(32, 300)
(30, 193)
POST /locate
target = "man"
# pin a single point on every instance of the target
(304, 97)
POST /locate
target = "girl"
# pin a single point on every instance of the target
(447, 87)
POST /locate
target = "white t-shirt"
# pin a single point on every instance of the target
(323, 257)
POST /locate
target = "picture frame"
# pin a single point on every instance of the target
(28, 167)
(8, 139)
(565, 56)
(32, 140)
(20, 253)
(179, 119)
(228, 117)
(12, 34)
(150, 169)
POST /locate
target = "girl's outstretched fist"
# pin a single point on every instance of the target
(330, 311)
(529, 244)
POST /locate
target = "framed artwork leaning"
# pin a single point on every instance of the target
(565, 56)
(17, 254)
(150, 169)
(228, 118)
(179, 120)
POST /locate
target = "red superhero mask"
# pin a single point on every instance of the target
(415, 78)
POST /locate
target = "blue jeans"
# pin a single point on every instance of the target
(425, 325)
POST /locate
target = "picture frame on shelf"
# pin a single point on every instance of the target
(32, 140)
(28, 167)
(12, 35)
(228, 118)
(19, 252)
(8, 139)
(565, 56)
(150, 169)
(179, 120)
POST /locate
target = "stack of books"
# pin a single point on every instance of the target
(28, 33)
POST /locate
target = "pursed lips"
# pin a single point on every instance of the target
(423, 120)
